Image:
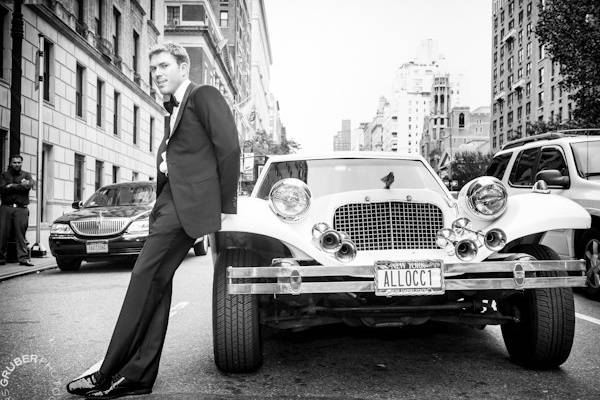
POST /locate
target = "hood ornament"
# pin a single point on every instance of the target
(388, 180)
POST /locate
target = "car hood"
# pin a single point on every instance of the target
(106, 212)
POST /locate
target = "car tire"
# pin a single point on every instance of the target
(543, 337)
(201, 248)
(68, 263)
(589, 250)
(237, 342)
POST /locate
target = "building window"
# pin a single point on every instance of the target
(521, 17)
(527, 108)
(79, 90)
(193, 12)
(115, 174)
(509, 118)
(98, 173)
(3, 136)
(116, 31)
(134, 176)
(540, 99)
(559, 116)
(3, 24)
(136, 114)
(541, 51)
(48, 71)
(134, 61)
(552, 93)
(99, 17)
(520, 73)
(99, 102)
(224, 19)
(519, 113)
(520, 37)
(78, 178)
(116, 106)
(152, 9)
(529, 10)
(528, 69)
(541, 75)
(528, 51)
(173, 15)
(529, 29)
(151, 135)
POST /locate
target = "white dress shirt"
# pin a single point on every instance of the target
(178, 96)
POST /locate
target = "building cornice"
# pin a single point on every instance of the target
(49, 16)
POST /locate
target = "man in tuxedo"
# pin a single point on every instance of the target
(197, 178)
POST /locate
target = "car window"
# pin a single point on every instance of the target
(498, 165)
(587, 158)
(552, 158)
(523, 171)
(122, 196)
(329, 176)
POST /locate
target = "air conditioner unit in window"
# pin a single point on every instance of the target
(176, 21)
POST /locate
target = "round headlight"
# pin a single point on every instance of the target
(486, 197)
(290, 199)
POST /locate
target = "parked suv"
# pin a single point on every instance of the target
(569, 162)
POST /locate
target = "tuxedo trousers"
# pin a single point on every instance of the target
(136, 344)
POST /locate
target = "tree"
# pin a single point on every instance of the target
(539, 127)
(263, 145)
(570, 32)
(469, 165)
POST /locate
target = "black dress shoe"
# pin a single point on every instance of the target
(26, 263)
(120, 386)
(85, 384)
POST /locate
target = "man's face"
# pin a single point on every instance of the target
(15, 163)
(166, 73)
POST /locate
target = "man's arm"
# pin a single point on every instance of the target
(3, 183)
(25, 185)
(216, 117)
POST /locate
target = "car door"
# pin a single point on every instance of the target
(552, 157)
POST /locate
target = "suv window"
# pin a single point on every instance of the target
(498, 166)
(552, 158)
(523, 172)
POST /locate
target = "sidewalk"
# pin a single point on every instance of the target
(12, 270)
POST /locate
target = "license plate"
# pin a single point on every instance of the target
(96, 246)
(409, 278)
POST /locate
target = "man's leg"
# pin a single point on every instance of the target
(21, 221)
(4, 224)
(142, 313)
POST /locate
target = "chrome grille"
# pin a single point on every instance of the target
(99, 226)
(390, 225)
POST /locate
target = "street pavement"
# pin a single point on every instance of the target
(55, 325)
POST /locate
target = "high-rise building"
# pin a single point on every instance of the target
(342, 140)
(525, 80)
(102, 118)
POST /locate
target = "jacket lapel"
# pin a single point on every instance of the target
(182, 104)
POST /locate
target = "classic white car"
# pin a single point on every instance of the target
(376, 239)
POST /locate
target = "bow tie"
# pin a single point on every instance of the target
(169, 105)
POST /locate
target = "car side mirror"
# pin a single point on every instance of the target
(77, 205)
(553, 177)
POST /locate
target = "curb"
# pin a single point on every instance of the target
(50, 264)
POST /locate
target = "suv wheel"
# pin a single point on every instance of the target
(237, 339)
(543, 337)
(590, 251)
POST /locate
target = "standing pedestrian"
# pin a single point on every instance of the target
(198, 169)
(15, 185)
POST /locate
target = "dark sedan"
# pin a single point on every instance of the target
(113, 222)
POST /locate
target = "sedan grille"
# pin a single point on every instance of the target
(390, 225)
(99, 226)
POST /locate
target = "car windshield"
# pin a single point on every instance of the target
(121, 196)
(329, 176)
(587, 158)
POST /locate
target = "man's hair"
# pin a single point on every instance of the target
(175, 49)
(15, 156)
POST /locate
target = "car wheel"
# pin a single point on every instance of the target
(201, 248)
(590, 252)
(68, 263)
(237, 341)
(543, 336)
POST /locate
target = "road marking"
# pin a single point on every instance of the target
(177, 307)
(589, 319)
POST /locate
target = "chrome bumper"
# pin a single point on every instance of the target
(289, 279)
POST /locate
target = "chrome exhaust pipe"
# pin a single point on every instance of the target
(347, 251)
(466, 249)
(330, 241)
(495, 239)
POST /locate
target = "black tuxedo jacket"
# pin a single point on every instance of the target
(203, 160)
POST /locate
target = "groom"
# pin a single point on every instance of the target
(197, 177)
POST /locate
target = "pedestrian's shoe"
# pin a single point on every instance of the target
(120, 386)
(81, 386)
(26, 263)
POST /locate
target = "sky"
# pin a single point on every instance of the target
(333, 59)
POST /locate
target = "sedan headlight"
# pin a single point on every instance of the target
(485, 197)
(290, 199)
(139, 226)
(61, 229)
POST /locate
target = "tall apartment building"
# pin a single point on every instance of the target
(102, 119)
(524, 78)
(342, 140)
